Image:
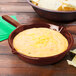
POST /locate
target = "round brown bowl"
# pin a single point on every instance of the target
(54, 15)
(41, 60)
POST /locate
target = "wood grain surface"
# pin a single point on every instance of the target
(11, 65)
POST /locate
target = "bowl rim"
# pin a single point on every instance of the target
(30, 57)
(54, 11)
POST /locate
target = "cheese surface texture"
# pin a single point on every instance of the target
(60, 5)
(40, 42)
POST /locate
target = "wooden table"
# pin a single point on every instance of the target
(11, 65)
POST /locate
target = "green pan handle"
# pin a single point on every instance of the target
(11, 20)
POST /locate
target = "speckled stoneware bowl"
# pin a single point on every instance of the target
(54, 15)
(39, 60)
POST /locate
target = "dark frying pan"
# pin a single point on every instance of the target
(38, 60)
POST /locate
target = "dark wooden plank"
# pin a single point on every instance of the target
(12, 8)
(15, 3)
(5, 1)
(34, 71)
(32, 17)
(27, 18)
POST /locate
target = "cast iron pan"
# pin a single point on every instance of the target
(38, 60)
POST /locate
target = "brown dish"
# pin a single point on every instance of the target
(38, 60)
(54, 15)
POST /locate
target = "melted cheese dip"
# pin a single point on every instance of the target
(60, 5)
(40, 42)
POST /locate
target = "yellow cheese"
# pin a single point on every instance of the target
(35, 2)
(40, 42)
(68, 5)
